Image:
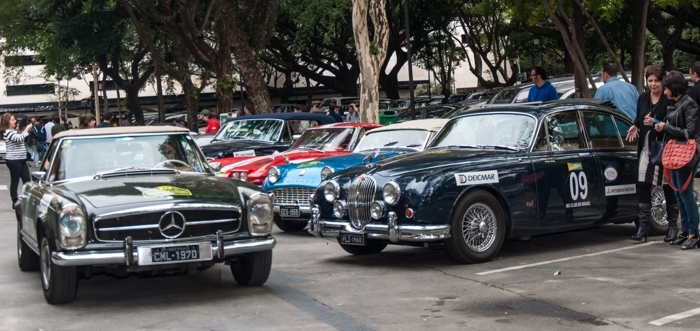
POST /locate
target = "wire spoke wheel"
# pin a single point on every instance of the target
(658, 206)
(479, 227)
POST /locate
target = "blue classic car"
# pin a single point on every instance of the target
(496, 173)
(292, 185)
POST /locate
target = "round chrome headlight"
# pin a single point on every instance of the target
(325, 172)
(244, 176)
(260, 214)
(391, 193)
(339, 209)
(234, 175)
(331, 191)
(273, 175)
(377, 209)
(73, 225)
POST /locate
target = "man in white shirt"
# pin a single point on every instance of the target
(49, 124)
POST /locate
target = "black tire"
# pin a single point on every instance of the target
(658, 224)
(289, 226)
(371, 247)
(252, 269)
(26, 258)
(60, 284)
(489, 234)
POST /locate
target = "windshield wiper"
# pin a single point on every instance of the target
(135, 171)
(511, 148)
(391, 143)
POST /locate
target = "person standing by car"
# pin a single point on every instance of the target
(332, 113)
(106, 120)
(32, 142)
(694, 91)
(682, 122)
(622, 94)
(543, 89)
(86, 121)
(16, 159)
(47, 128)
(353, 114)
(651, 106)
(39, 132)
(57, 127)
(213, 124)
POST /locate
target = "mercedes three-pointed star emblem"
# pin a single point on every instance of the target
(172, 224)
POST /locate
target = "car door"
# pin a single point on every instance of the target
(36, 201)
(569, 185)
(618, 162)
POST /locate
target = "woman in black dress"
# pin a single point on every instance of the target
(651, 105)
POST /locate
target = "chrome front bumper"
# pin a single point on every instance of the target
(219, 250)
(391, 231)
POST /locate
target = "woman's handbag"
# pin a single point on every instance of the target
(656, 151)
(680, 156)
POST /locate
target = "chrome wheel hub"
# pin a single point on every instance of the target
(658, 206)
(45, 266)
(479, 227)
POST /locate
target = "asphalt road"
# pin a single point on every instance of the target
(605, 282)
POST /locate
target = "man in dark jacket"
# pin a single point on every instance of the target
(332, 113)
(106, 121)
(58, 127)
(694, 91)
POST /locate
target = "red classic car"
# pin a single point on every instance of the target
(315, 143)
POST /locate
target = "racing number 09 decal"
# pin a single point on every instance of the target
(578, 185)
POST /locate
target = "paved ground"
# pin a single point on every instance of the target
(605, 283)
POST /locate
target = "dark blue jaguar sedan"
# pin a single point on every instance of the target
(495, 173)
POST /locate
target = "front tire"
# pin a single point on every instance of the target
(477, 228)
(289, 226)
(370, 248)
(26, 258)
(658, 224)
(60, 284)
(252, 269)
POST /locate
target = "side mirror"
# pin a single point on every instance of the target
(37, 176)
(296, 137)
(216, 166)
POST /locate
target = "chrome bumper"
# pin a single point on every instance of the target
(391, 231)
(121, 257)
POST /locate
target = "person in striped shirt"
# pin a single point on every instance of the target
(16, 159)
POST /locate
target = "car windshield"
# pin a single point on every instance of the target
(393, 138)
(508, 130)
(257, 129)
(87, 156)
(330, 139)
(504, 96)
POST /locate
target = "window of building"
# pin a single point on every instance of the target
(109, 85)
(30, 89)
(22, 60)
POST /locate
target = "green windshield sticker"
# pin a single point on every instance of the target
(162, 191)
(66, 143)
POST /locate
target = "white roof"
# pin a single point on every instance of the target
(121, 130)
(432, 124)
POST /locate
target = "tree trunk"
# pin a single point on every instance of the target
(370, 54)
(133, 104)
(639, 42)
(252, 77)
(104, 94)
(191, 103)
(159, 91)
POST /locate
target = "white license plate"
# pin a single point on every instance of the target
(290, 211)
(168, 254)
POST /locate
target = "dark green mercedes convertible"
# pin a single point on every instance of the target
(138, 200)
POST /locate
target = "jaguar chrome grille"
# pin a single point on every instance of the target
(292, 195)
(360, 197)
(147, 225)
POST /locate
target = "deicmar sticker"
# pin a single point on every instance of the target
(479, 177)
(249, 152)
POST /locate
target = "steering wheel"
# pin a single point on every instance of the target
(172, 163)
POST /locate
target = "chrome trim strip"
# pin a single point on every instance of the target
(85, 258)
(413, 233)
(169, 207)
(155, 226)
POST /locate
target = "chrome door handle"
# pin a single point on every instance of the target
(23, 196)
(584, 154)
